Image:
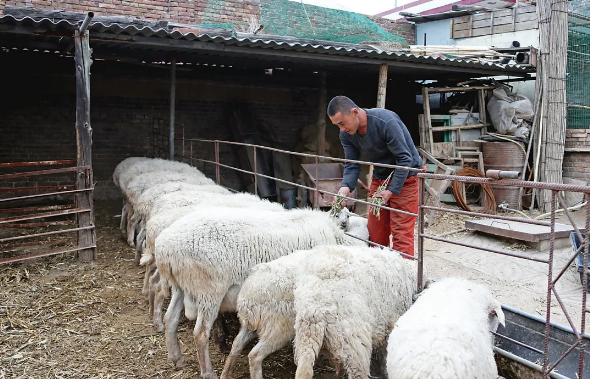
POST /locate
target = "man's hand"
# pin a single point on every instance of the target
(344, 191)
(385, 195)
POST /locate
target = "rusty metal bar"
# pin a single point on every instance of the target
(552, 366)
(39, 163)
(382, 246)
(567, 266)
(44, 172)
(313, 189)
(508, 182)
(518, 343)
(86, 22)
(569, 215)
(420, 233)
(550, 286)
(44, 215)
(41, 188)
(34, 243)
(46, 194)
(44, 234)
(311, 155)
(584, 286)
(486, 215)
(217, 176)
(44, 254)
(36, 224)
(565, 312)
(255, 175)
(32, 209)
(502, 252)
(317, 190)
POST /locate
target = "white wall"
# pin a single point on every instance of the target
(437, 33)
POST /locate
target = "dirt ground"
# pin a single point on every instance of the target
(63, 319)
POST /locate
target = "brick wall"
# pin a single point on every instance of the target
(405, 30)
(192, 12)
(576, 165)
(281, 17)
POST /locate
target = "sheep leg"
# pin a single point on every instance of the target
(220, 333)
(309, 338)
(162, 292)
(381, 360)
(201, 334)
(131, 229)
(127, 222)
(172, 320)
(241, 340)
(149, 271)
(263, 349)
(123, 224)
(136, 240)
(140, 240)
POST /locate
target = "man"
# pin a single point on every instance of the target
(381, 137)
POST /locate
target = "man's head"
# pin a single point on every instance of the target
(344, 113)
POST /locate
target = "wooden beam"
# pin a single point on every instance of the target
(381, 95)
(172, 106)
(86, 237)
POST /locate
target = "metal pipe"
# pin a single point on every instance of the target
(526, 363)
(217, 176)
(172, 105)
(517, 342)
(502, 252)
(549, 285)
(311, 155)
(499, 174)
(255, 174)
(382, 246)
(317, 190)
(584, 287)
(485, 215)
(86, 22)
(45, 194)
(420, 233)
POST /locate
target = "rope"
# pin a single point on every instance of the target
(490, 205)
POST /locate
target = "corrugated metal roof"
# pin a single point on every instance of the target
(124, 33)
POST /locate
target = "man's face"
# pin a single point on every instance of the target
(347, 123)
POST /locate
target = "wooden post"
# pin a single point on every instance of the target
(83, 61)
(381, 95)
(321, 123)
(172, 106)
(553, 35)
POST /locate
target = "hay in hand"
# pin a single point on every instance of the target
(336, 206)
(378, 200)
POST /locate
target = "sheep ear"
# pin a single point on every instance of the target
(497, 310)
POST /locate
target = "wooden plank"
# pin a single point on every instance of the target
(526, 17)
(462, 33)
(82, 58)
(526, 9)
(423, 130)
(461, 20)
(457, 127)
(457, 89)
(426, 106)
(528, 25)
(321, 123)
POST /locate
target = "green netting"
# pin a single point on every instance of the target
(578, 70)
(290, 18)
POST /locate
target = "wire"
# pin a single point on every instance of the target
(490, 204)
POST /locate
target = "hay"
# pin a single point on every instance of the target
(63, 319)
(378, 200)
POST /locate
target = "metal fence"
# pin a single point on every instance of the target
(554, 274)
(48, 209)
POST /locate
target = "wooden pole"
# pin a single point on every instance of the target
(553, 36)
(172, 106)
(381, 96)
(321, 123)
(83, 61)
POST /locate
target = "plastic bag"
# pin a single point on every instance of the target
(509, 111)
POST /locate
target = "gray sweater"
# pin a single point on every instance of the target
(387, 141)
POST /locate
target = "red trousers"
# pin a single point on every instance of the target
(398, 225)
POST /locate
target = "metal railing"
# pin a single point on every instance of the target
(547, 368)
(27, 208)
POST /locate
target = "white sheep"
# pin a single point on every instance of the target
(446, 334)
(353, 224)
(143, 182)
(265, 309)
(160, 221)
(348, 299)
(122, 166)
(156, 164)
(209, 255)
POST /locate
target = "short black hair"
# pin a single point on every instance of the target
(341, 104)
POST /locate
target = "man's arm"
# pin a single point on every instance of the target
(351, 170)
(394, 137)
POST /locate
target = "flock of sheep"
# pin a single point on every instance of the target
(294, 276)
